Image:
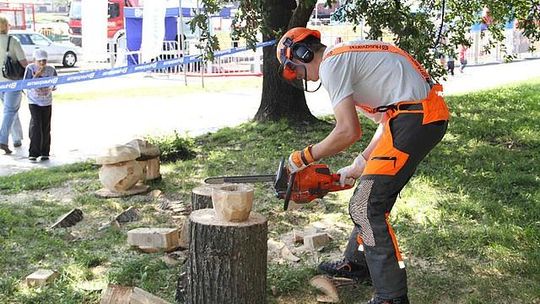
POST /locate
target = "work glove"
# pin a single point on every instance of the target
(298, 160)
(347, 175)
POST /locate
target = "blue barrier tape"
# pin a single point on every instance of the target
(115, 72)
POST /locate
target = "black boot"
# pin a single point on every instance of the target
(346, 269)
(5, 148)
(400, 300)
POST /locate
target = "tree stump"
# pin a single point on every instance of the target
(201, 197)
(227, 261)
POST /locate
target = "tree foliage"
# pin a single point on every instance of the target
(424, 28)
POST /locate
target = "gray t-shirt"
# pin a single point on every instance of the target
(372, 78)
(40, 96)
(15, 51)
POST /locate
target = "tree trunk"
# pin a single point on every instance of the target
(279, 99)
(227, 260)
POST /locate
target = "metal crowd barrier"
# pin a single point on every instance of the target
(242, 62)
(157, 65)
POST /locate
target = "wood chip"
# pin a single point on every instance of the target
(140, 296)
(116, 294)
(288, 255)
(156, 193)
(131, 214)
(325, 284)
(69, 219)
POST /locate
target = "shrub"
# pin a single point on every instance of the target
(174, 147)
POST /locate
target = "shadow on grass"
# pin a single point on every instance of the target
(483, 247)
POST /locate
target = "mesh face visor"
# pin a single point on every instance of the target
(294, 74)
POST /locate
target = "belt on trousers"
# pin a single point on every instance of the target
(433, 107)
(401, 106)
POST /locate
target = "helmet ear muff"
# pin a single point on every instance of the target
(302, 52)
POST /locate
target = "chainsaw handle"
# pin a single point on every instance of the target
(336, 186)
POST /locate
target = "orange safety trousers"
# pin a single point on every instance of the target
(412, 129)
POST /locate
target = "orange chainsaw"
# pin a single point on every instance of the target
(314, 181)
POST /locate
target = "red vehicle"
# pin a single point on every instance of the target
(21, 16)
(115, 19)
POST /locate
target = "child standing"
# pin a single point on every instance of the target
(40, 103)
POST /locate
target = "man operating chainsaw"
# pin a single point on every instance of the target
(390, 87)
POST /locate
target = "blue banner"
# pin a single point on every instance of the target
(97, 74)
(137, 12)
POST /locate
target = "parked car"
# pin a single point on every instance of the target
(60, 54)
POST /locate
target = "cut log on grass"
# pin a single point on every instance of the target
(41, 277)
(69, 219)
(137, 189)
(116, 294)
(201, 197)
(316, 241)
(227, 261)
(112, 225)
(325, 284)
(140, 296)
(131, 214)
(154, 238)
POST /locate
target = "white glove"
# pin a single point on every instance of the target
(353, 171)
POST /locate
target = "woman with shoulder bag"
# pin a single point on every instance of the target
(12, 99)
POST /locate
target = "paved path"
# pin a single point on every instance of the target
(82, 129)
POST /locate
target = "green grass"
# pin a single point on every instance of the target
(39, 179)
(468, 222)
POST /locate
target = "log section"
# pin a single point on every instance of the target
(227, 261)
(201, 197)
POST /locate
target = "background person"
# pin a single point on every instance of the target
(392, 89)
(11, 100)
(40, 104)
(450, 64)
(462, 57)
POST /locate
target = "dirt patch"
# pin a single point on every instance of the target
(64, 194)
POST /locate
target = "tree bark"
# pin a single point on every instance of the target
(201, 198)
(227, 260)
(279, 99)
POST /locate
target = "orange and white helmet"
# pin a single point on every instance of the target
(290, 47)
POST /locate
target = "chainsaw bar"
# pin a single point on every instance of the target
(241, 179)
